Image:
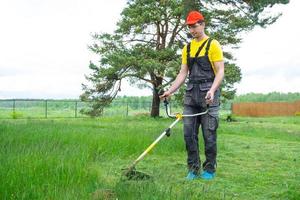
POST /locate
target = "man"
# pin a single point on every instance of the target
(202, 62)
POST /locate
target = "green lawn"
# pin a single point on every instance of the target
(258, 158)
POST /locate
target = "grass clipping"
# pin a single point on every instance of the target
(132, 174)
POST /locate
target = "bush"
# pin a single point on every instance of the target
(231, 118)
(16, 115)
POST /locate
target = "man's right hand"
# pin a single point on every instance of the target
(166, 94)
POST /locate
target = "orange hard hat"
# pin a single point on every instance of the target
(193, 17)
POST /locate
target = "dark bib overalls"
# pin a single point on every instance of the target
(201, 77)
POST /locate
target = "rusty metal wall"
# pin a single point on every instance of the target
(261, 109)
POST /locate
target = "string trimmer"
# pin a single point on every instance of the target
(131, 172)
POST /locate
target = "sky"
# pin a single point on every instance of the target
(44, 54)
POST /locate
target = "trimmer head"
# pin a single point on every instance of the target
(132, 174)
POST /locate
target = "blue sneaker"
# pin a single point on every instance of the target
(207, 175)
(192, 176)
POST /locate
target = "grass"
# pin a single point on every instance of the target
(258, 158)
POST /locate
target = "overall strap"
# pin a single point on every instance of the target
(208, 46)
(200, 48)
(188, 49)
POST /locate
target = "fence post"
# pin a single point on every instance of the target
(75, 109)
(14, 105)
(127, 109)
(46, 108)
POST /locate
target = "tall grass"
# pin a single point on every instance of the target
(258, 158)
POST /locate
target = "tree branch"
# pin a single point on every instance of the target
(174, 32)
(152, 41)
(139, 77)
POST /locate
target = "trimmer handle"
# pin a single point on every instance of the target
(207, 106)
(181, 115)
(166, 103)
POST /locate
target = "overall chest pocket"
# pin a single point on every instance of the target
(203, 63)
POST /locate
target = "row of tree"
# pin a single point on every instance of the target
(269, 97)
(249, 97)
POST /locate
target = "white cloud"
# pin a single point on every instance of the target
(269, 58)
(44, 48)
(264, 84)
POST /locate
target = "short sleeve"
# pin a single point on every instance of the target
(216, 53)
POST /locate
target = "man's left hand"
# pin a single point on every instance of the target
(209, 97)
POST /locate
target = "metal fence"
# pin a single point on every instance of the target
(45, 108)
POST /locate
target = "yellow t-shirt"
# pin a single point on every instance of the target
(215, 52)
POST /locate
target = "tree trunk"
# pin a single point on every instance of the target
(155, 97)
(155, 104)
